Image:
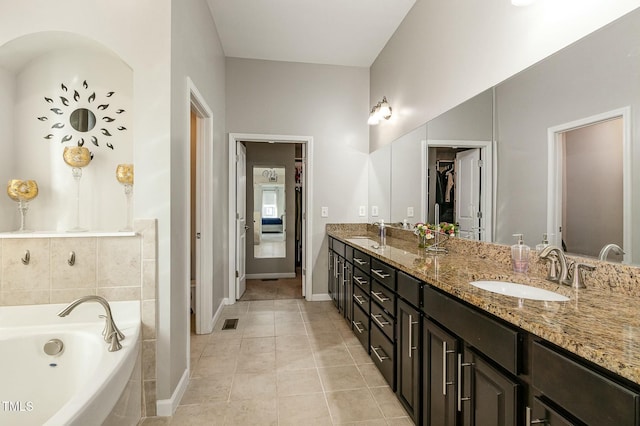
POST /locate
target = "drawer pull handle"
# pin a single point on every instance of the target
(356, 326)
(411, 324)
(382, 298)
(358, 299)
(375, 351)
(380, 323)
(360, 280)
(530, 422)
(359, 261)
(445, 352)
(460, 397)
(380, 273)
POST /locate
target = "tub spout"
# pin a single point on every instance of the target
(111, 333)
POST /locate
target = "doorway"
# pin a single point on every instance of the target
(294, 222)
(460, 182)
(590, 184)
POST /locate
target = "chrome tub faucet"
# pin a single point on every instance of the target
(111, 333)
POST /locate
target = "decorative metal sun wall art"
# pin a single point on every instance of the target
(81, 115)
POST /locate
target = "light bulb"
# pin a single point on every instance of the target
(384, 109)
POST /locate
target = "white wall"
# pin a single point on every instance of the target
(330, 103)
(197, 54)
(139, 33)
(8, 211)
(444, 52)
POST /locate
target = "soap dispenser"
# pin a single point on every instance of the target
(543, 244)
(520, 255)
(383, 234)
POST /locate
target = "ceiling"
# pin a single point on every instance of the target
(337, 32)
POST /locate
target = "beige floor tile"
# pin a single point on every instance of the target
(223, 348)
(256, 345)
(252, 412)
(325, 340)
(359, 354)
(341, 378)
(351, 339)
(200, 414)
(214, 365)
(290, 329)
(372, 375)
(388, 402)
(256, 362)
(301, 409)
(319, 326)
(261, 306)
(155, 421)
(298, 382)
(400, 421)
(259, 318)
(333, 357)
(292, 343)
(376, 422)
(353, 406)
(259, 330)
(285, 316)
(294, 360)
(208, 389)
(254, 385)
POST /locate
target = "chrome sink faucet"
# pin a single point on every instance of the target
(555, 256)
(111, 333)
(604, 253)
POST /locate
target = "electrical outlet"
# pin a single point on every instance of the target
(409, 211)
(374, 211)
(324, 212)
(362, 211)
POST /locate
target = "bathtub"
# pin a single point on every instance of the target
(81, 385)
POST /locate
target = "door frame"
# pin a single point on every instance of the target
(307, 201)
(487, 174)
(204, 211)
(555, 169)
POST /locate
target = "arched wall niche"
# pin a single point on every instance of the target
(47, 76)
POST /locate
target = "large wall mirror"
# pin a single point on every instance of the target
(269, 210)
(541, 155)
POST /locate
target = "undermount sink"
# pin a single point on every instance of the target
(521, 291)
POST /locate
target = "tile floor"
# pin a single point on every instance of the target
(289, 362)
(282, 288)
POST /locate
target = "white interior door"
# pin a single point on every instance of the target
(241, 219)
(467, 193)
(303, 228)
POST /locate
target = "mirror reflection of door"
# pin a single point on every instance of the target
(269, 214)
(593, 188)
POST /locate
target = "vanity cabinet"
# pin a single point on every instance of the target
(579, 390)
(383, 320)
(439, 383)
(340, 273)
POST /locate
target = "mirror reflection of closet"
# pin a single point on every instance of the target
(269, 233)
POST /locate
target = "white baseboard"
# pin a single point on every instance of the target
(216, 316)
(166, 407)
(271, 275)
(319, 297)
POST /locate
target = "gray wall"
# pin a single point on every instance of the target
(203, 62)
(565, 87)
(276, 155)
(329, 103)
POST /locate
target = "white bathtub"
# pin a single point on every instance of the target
(82, 384)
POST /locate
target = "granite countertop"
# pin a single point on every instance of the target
(598, 324)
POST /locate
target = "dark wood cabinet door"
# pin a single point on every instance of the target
(439, 376)
(543, 414)
(408, 357)
(488, 398)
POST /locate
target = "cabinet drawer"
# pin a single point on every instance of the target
(585, 393)
(361, 299)
(384, 297)
(338, 247)
(494, 339)
(383, 273)
(382, 355)
(362, 261)
(382, 320)
(361, 326)
(348, 253)
(361, 280)
(409, 288)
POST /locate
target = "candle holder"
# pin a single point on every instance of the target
(124, 175)
(77, 157)
(22, 191)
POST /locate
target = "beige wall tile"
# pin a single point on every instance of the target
(149, 359)
(119, 262)
(15, 297)
(149, 319)
(119, 293)
(70, 294)
(35, 275)
(83, 273)
(149, 276)
(148, 229)
(149, 398)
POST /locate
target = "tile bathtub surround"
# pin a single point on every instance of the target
(289, 362)
(117, 268)
(600, 323)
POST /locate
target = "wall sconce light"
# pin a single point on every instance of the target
(380, 111)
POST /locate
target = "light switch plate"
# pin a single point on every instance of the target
(409, 211)
(324, 212)
(362, 211)
(374, 211)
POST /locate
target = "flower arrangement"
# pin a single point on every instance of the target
(426, 232)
